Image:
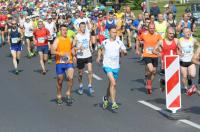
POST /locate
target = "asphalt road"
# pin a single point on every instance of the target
(27, 102)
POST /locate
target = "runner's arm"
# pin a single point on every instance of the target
(54, 47)
(100, 54)
(196, 42)
(179, 52)
(195, 58)
(159, 46)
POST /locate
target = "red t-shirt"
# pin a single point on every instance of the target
(41, 36)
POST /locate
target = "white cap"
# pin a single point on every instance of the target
(49, 17)
(166, 5)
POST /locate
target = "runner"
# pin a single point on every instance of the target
(129, 18)
(188, 69)
(14, 40)
(161, 25)
(195, 60)
(62, 48)
(164, 47)
(84, 56)
(51, 26)
(41, 35)
(111, 54)
(150, 39)
(28, 33)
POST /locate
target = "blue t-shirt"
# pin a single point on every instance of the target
(136, 23)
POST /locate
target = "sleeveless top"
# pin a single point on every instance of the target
(64, 46)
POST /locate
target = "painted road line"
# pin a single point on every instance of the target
(190, 123)
(95, 76)
(150, 105)
(160, 110)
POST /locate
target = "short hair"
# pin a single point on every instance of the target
(63, 25)
(82, 23)
(112, 27)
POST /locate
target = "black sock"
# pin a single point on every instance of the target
(189, 81)
(17, 61)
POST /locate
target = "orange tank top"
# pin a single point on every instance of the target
(64, 46)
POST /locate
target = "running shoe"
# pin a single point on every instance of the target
(105, 102)
(115, 106)
(80, 90)
(91, 90)
(44, 72)
(17, 72)
(49, 61)
(191, 90)
(59, 101)
(69, 100)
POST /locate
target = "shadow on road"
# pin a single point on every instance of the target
(13, 71)
(100, 105)
(141, 81)
(194, 110)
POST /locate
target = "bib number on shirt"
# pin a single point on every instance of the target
(41, 40)
(15, 40)
(64, 59)
(149, 50)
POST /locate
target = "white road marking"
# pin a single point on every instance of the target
(159, 109)
(190, 123)
(150, 105)
(95, 76)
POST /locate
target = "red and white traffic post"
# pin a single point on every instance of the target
(172, 82)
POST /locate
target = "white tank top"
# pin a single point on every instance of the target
(51, 26)
(187, 47)
(84, 41)
(28, 29)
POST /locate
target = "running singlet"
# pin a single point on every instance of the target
(110, 24)
(15, 37)
(150, 41)
(187, 47)
(83, 40)
(64, 46)
(166, 50)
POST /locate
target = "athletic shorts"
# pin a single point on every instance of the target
(185, 64)
(29, 38)
(16, 47)
(51, 41)
(61, 68)
(153, 61)
(115, 72)
(2, 29)
(44, 49)
(82, 61)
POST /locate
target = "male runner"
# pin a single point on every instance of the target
(84, 56)
(188, 69)
(111, 54)
(14, 40)
(63, 49)
(41, 35)
(150, 40)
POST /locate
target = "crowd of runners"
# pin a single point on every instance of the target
(71, 34)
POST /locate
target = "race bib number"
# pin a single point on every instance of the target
(149, 50)
(15, 40)
(85, 43)
(187, 50)
(64, 59)
(41, 40)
